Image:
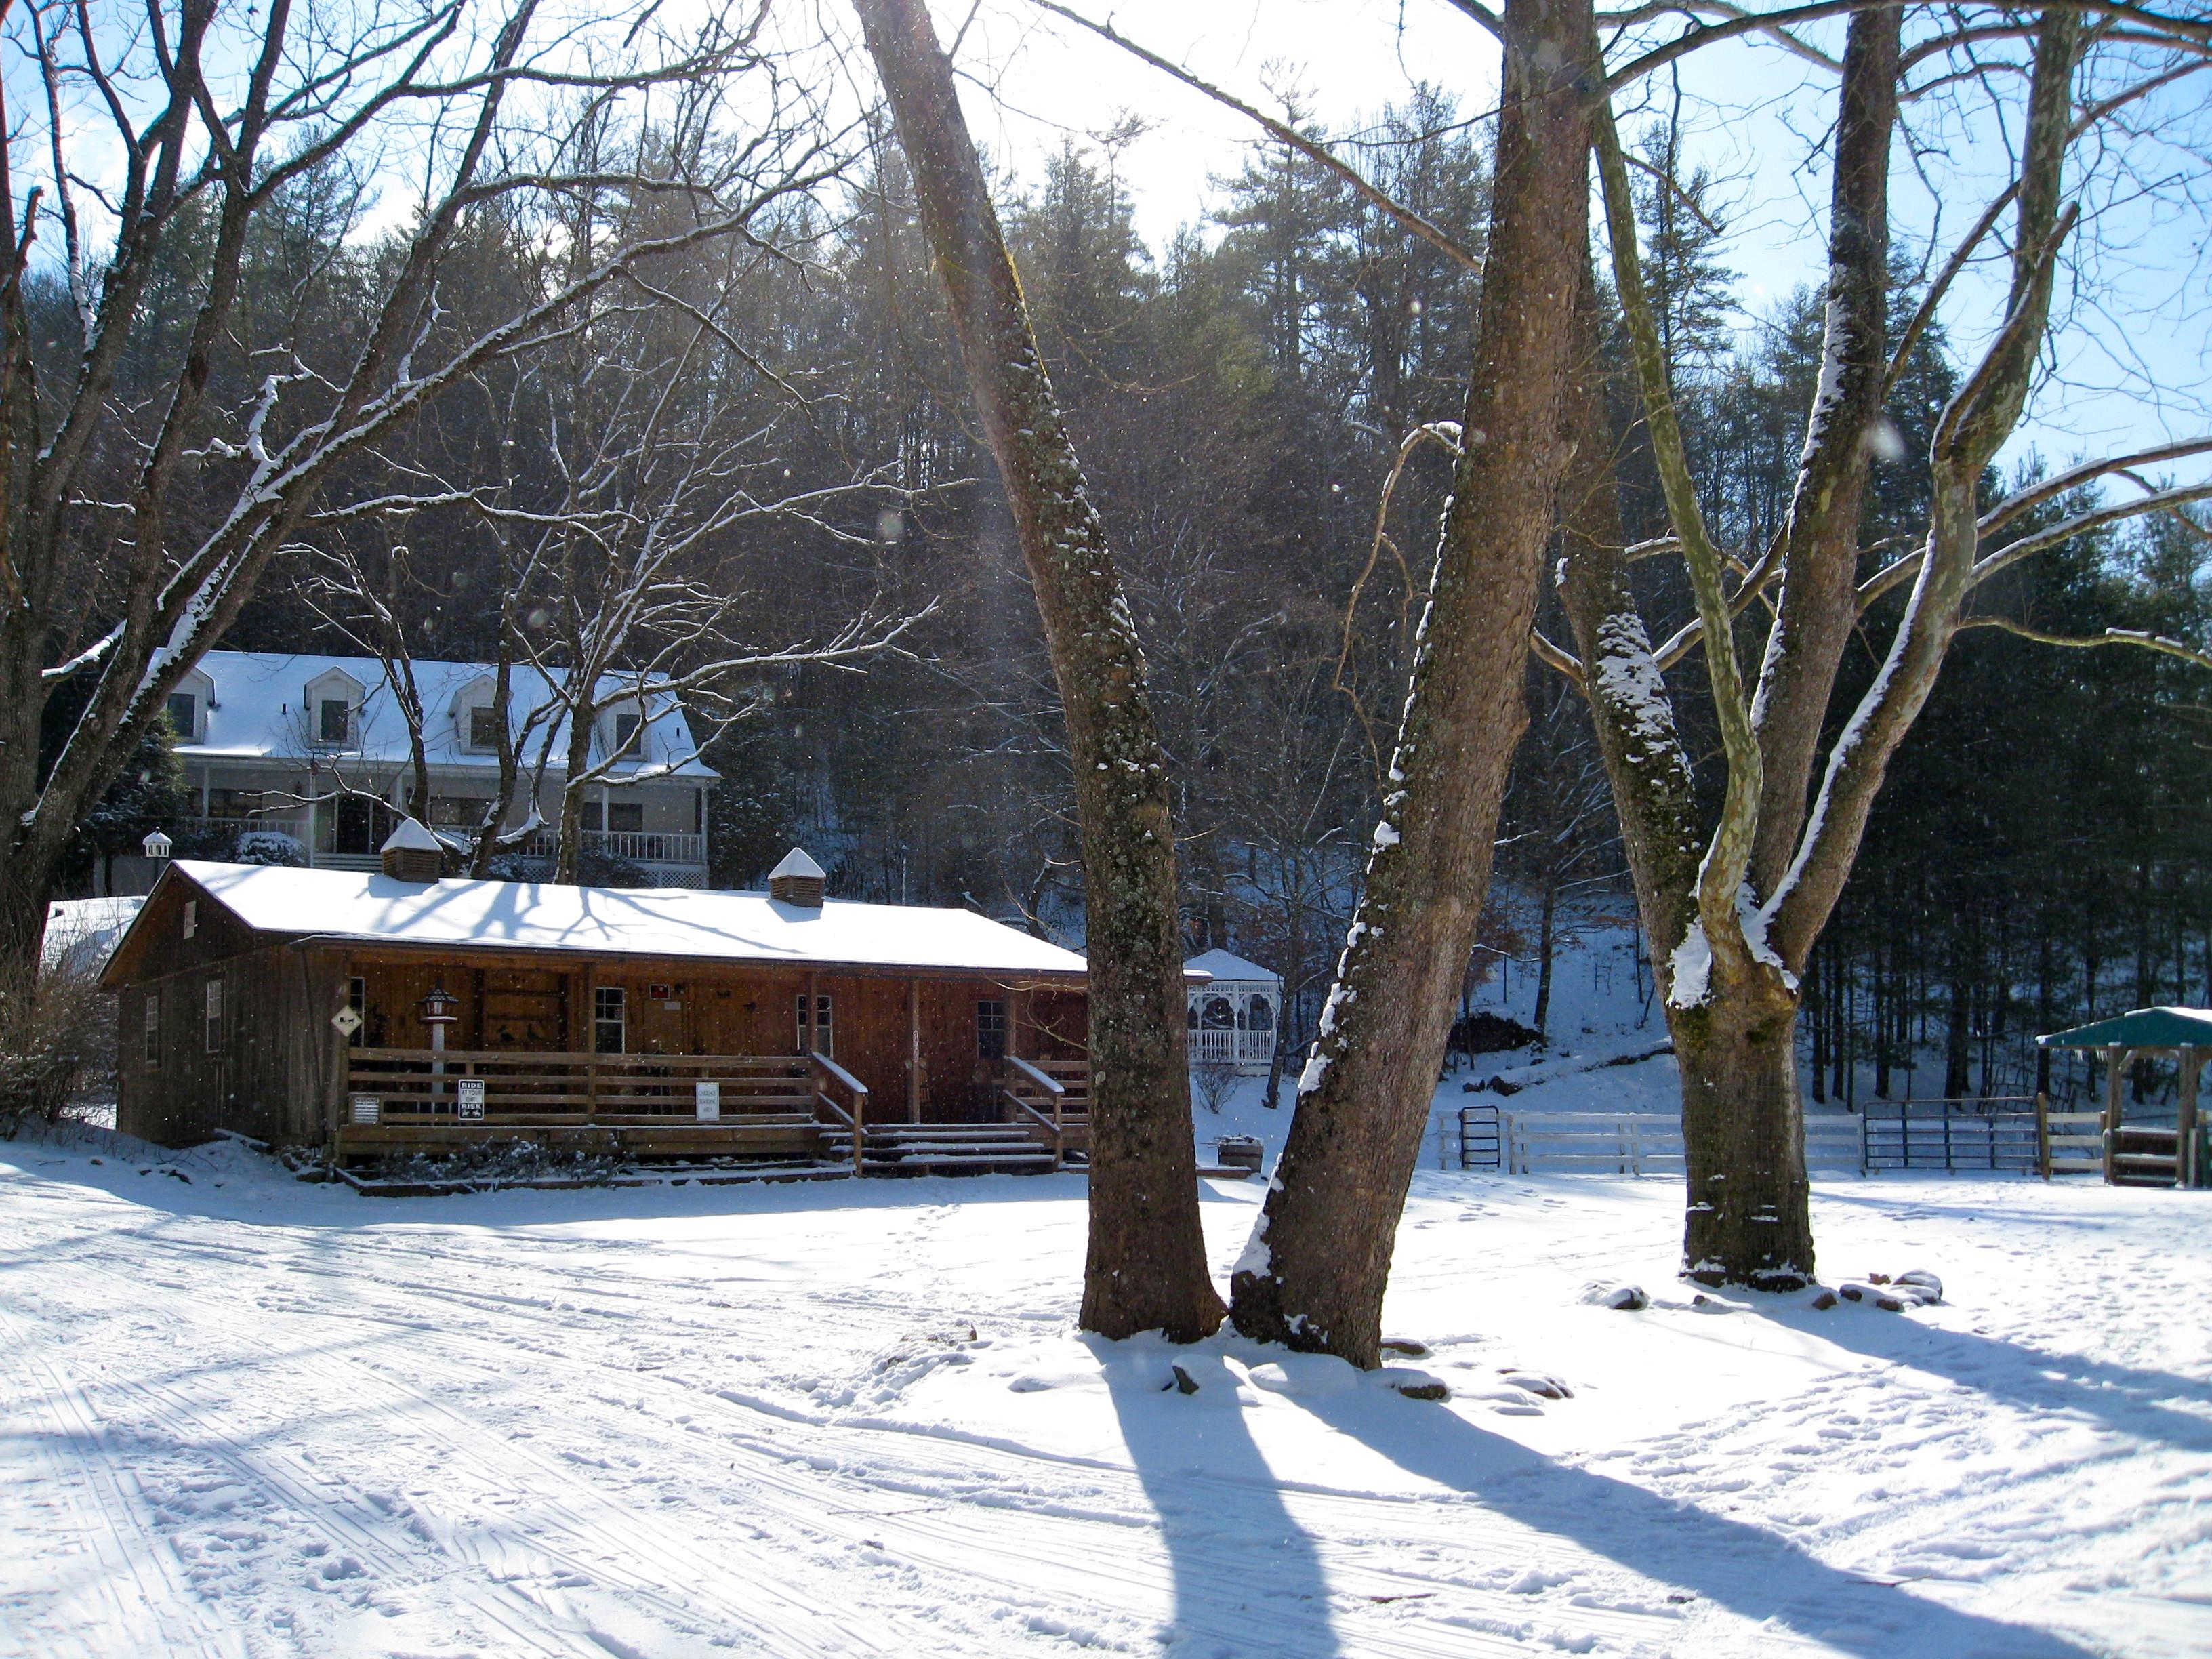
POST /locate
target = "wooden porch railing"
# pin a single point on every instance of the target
(1037, 1099)
(825, 1074)
(423, 1085)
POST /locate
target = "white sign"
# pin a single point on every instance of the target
(346, 1021)
(709, 1097)
(364, 1109)
(472, 1096)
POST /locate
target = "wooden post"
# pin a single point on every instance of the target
(2115, 1064)
(2043, 1135)
(2185, 1172)
(914, 1051)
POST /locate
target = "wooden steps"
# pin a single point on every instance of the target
(953, 1149)
(2145, 1157)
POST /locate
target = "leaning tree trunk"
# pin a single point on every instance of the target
(1146, 1267)
(1320, 1257)
(1749, 1220)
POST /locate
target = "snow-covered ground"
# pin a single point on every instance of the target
(240, 1415)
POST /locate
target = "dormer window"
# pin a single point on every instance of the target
(332, 704)
(626, 724)
(483, 727)
(188, 705)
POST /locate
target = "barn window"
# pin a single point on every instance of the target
(990, 1029)
(357, 1000)
(213, 1017)
(153, 1034)
(191, 917)
(818, 1034)
(610, 1015)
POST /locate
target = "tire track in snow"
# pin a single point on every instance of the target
(136, 1579)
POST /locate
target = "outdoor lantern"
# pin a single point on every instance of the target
(157, 845)
(438, 1012)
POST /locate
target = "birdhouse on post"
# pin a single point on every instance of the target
(157, 845)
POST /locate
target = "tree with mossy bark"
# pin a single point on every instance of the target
(1145, 1268)
(1314, 1272)
(1735, 901)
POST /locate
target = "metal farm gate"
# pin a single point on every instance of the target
(2000, 1133)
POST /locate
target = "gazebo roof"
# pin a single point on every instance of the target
(1227, 965)
(2143, 1028)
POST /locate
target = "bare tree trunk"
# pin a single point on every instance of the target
(1146, 1268)
(1544, 953)
(1315, 1273)
(1743, 1132)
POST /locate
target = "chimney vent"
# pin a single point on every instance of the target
(412, 853)
(797, 881)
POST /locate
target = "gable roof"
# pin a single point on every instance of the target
(2142, 1028)
(1225, 964)
(258, 710)
(506, 915)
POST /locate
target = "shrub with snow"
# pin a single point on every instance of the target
(269, 847)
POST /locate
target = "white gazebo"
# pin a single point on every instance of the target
(1234, 1016)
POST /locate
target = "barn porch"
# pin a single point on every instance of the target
(804, 1107)
(354, 1016)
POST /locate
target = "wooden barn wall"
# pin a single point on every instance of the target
(263, 1079)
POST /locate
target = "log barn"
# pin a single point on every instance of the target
(364, 1014)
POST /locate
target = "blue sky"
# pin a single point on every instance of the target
(2128, 363)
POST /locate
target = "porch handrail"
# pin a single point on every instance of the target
(858, 1091)
(1051, 1124)
(1044, 1080)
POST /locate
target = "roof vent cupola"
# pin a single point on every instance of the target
(412, 853)
(797, 881)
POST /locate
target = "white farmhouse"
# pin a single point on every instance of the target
(296, 746)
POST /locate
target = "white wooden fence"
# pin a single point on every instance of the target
(1650, 1143)
(1645, 1143)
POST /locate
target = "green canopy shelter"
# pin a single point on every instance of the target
(2145, 1156)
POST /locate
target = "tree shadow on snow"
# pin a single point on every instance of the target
(2152, 1405)
(1247, 1579)
(1755, 1574)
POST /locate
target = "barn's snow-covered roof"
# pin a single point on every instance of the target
(258, 705)
(1226, 964)
(513, 915)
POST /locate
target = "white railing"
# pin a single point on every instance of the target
(636, 846)
(1211, 1047)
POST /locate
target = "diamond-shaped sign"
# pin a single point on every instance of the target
(346, 1021)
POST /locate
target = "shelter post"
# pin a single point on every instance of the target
(2184, 1140)
(2116, 1064)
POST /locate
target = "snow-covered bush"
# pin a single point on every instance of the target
(269, 847)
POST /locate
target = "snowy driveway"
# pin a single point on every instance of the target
(242, 1416)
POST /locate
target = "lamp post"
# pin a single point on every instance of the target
(437, 1014)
